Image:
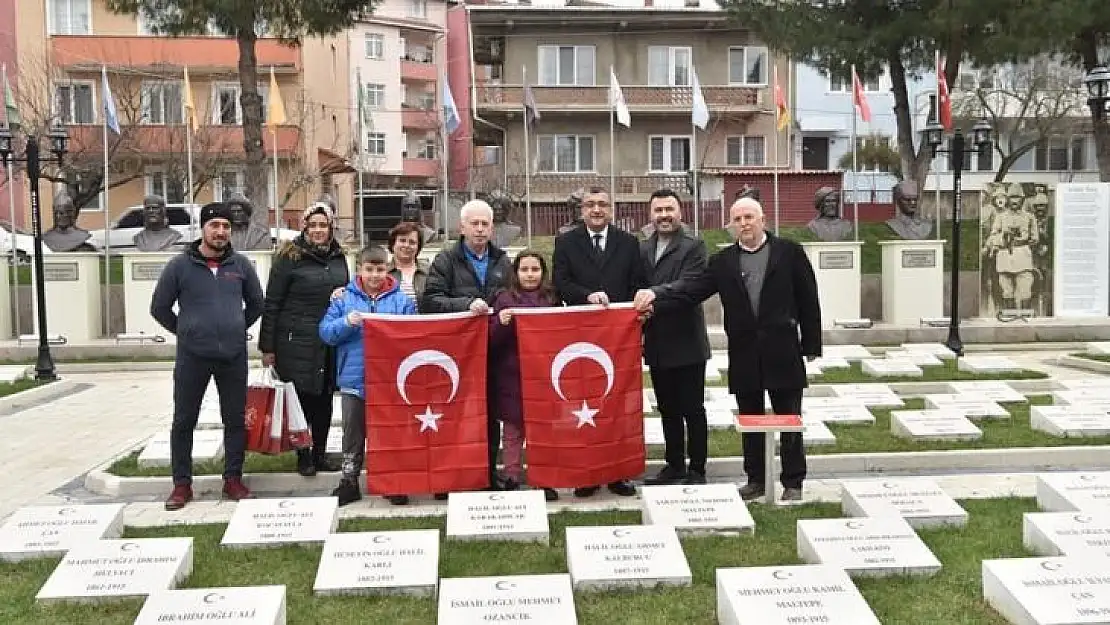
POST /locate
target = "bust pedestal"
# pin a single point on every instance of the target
(837, 267)
(913, 281)
(74, 303)
(6, 306)
(141, 271)
(261, 261)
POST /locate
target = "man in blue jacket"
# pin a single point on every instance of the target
(218, 297)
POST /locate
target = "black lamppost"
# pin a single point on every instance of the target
(44, 366)
(1098, 91)
(980, 140)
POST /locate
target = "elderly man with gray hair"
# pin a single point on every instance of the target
(466, 276)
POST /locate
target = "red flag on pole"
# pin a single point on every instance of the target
(425, 403)
(944, 102)
(859, 97)
(582, 390)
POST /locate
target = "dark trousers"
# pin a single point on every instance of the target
(680, 396)
(354, 436)
(493, 441)
(191, 374)
(791, 452)
(317, 411)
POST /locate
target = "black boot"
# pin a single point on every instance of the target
(347, 491)
(323, 463)
(305, 464)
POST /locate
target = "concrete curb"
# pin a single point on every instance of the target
(1084, 364)
(1020, 460)
(35, 396)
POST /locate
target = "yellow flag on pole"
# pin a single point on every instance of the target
(190, 106)
(276, 115)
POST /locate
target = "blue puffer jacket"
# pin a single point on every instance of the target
(347, 339)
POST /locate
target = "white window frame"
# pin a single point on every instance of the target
(576, 81)
(148, 89)
(673, 53)
(426, 144)
(743, 139)
(404, 145)
(217, 87)
(240, 173)
(766, 70)
(374, 137)
(418, 9)
(668, 143)
(843, 84)
(373, 46)
(51, 27)
(554, 142)
(150, 173)
(377, 90)
(1069, 150)
(72, 106)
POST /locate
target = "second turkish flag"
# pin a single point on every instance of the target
(582, 388)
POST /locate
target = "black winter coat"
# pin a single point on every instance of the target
(452, 284)
(675, 338)
(297, 296)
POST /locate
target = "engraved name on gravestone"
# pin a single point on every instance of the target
(1074, 491)
(1070, 421)
(60, 272)
(207, 445)
(994, 390)
(934, 425)
(789, 595)
(871, 394)
(917, 500)
(919, 259)
(653, 432)
(146, 272)
(510, 515)
(51, 531)
(1082, 383)
(274, 522)
(880, 367)
(1088, 396)
(1048, 591)
(816, 433)
(534, 599)
(697, 509)
(847, 352)
(241, 605)
(1066, 533)
(918, 357)
(866, 546)
(832, 362)
(841, 410)
(973, 406)
(403, 562)
(939, 350)
(625, 556)
(835, 260)
(119, 569)
(987, 364)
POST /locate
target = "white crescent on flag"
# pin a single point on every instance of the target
(424, 357)
(573, 352)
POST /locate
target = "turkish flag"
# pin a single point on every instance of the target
(582, 390)
(425, 403)
(944, 100)
(860, 97)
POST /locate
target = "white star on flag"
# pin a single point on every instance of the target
(585, 415)
(428, 420)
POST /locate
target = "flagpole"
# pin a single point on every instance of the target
(527, 162)
(775, 156)
(694, 175)
(104, 207)
(855, 156)
(360, 225)
(11, 199)
(612, 143)
(446, 155)
(936, 169)
(190, 124)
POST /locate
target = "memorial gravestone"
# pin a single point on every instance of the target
(1098, 347)
(1048, 591)
(832, 362)
(870, 394)
(933, 425)
(11, 373)
(813, 370)
(625, 556)
(994, 390)
(917, 500)
(847, 352)
(1070, 421)
(788, 595)
(973, 406)
(839, 410)
(1083, 396)
(1066, 534)
(510, 515)
(241, 605)
(866, 546)
(51, 531)
(718, 417)
(208, 444)
(890, 367)
(277, 522)
(918, 357)
(404, 562)
(697, 509)
(653, 432)
(535, 599)
(939, 350)
(816, 433)
(1074, 491)
(1079, 384)
(987, 364)
(119, 569)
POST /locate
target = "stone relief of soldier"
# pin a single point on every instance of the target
(908, 223)
(65, 235)
(505, 232)
(1014, 250)
(156, 235)
(412, 211)
(245, 234)
(827, 225)
(574, 211)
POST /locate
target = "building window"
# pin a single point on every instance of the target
(74, 103)
(1061, 154)
(426, 101)
(841, 82)
(161, 103)
(375, 45)
(232, 181)
(669, 66)
(669, 154)
(567, 65)
(566, 153)
(427, 148)
(70, 17)
(375, 143)
(160, 183)
(418, 9)
(742, 151)
(375, 95)
(985, 158)
(227, 103)
(866, 145)
(747, 66)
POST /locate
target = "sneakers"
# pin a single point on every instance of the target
(667, 476)
(791, 494)
(181, 495)
(751, 491)
(347, 492)
(305, 465)
(235, 490)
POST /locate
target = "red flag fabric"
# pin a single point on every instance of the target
(944, 102)
(859, 97)
(425, 403)
(582, 389)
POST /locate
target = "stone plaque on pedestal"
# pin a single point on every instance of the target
(74, 306)
(278, 522)
(141, 271)
(697, 509)
(837, 268)
(913, 281)
(513, 515)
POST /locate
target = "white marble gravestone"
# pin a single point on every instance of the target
(649, 400)
(1098, 347)
(973, 406)
(277, 522)
(117, 569)
(832, 362)
(625, 556)
(866, 546)
(534, 599)
(987, 364)
(1048, 591)
(404, 562)
(839, 410)
(240, 605)
(719, 394)
(1067, 534)
(1070, 421)
(816, 433)
(933, 425)
(939, 350)
(1092, 396)
(994, 390)
(919, 357)
(209, 417)
(334, 446)
(12, 373)
(653, 431)
(847, 352)
(1078, 384)
(519, 515)
(788, 595)
(917, 500)
(697, 509)
(51, 531)
(1073, 491)
(813, 370)
(719, 418)
(872, 395)
(207, 445)
(890, 367)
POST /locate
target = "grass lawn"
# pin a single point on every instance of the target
(1095, 357)
(997, 434)
(952, 597)
(11, 388)
(854, 375)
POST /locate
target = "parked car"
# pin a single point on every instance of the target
(185, 218)
(24, 245)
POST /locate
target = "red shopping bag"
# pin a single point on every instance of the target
(265, 415)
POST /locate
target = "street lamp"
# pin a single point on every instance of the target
(1098, 90)
(44, 366)
(980, 139)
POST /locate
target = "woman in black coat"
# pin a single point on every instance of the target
(304, 273)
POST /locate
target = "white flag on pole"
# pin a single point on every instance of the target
(616, 100)
(699, 113)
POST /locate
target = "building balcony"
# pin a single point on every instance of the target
(200, 54)
(419, 119)
(146, 141)
(416, 71)
(562, 185)
(421, 168)
(722, 99)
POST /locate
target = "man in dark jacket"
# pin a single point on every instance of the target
(676, 345)
(210, 284)
(465, 277)
(772, 320)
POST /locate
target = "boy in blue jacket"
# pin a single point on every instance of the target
(372, 290)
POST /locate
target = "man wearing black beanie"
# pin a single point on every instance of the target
(218, 297)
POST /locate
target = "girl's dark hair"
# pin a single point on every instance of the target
(546, 291)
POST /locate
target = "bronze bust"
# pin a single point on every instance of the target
(827, 225)
(574, 208)
(908, 223)
(412, 211)
(747, 191)
(156, 235)
(504, 231)
(65, 236)
(245, 234)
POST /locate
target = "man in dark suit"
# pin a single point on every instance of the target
(598, 263)
(772, 320)
(675, 344)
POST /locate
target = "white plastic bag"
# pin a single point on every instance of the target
(300, 437)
